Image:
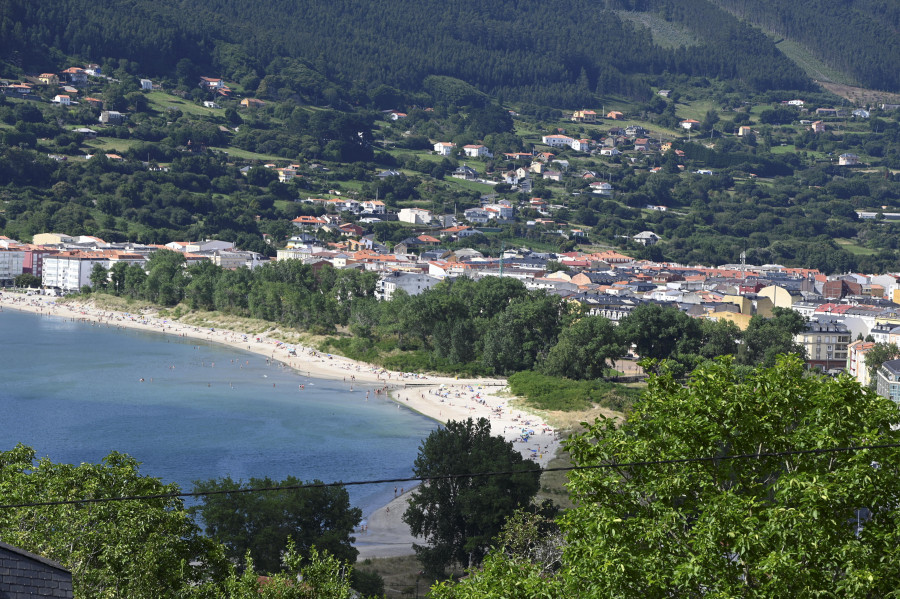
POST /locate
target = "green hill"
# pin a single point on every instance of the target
(549, 52)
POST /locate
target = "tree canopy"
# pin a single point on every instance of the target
(459, 516)
(802, 525)
(262, 523)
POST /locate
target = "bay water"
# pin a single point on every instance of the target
(74, 392)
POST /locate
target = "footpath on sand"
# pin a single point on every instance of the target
(441, 398)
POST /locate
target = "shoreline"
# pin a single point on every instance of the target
(440, 398)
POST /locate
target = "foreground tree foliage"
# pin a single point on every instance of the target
(458, 517)
(807, 525)
(320, 576)
(262, 524)
(114, 549)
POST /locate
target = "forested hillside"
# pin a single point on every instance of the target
(551, 52)
(860, 38)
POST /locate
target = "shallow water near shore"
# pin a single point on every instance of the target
(73, 391)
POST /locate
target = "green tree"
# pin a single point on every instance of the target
(139, 548)
(878, 355)
(459, 516)
(27, 280)
(803, 525)
(99, 277)
(585, 350)
(261, 523)
(321, 576)
(766, 338)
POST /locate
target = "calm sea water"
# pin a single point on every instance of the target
(73, 392)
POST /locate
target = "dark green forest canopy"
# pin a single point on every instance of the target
(551, 52)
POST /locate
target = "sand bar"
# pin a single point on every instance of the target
(441, 398)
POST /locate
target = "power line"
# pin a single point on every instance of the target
(320, 485)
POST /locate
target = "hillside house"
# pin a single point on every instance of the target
(414, 216)
(252, 103)
(444, 148)
(62, 100)
(146, 84)
(557, 141)
(465, 172)
(848, 160)
(477, 151)
(744, 131)
(48, 78)
(584, 116)
(111, 117)
(646, 238)
(75, 76)
(615, 115)
(212, 83)
(689, 124)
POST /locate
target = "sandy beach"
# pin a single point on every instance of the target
(441, 398)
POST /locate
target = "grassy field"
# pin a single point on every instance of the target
(665, 33)
(112, 144)
(854, 248)
(469, 185)
(246, 155)
(161, 101)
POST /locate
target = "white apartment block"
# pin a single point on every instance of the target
(70, 271)
(11, 263)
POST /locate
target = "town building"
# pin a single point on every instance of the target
(825, 343)
(888, 384)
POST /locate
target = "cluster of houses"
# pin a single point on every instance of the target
(72, 85)
(841, 311)
(64, 263)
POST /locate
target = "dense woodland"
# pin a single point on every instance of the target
(547, 53)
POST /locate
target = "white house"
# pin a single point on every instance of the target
(64, 100)
(414, 216)
(848, 160)
(609, 152)
(557, 141)
(502, 211)
(601, 188)
(476, 151)
(210, 104)
(646, 238)
(477, 215)
(411, 283)
(146, 84)
(373, 206)
(689, 124)
(444, 148)
(581, 145)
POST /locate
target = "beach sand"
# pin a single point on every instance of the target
(441, 398)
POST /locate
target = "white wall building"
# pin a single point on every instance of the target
(11, 264)
(414, 216)
(477, 151)
(444, 148)
(557, 141)
(70, 271)
(412, 283)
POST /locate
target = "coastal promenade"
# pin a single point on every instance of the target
(441, 398)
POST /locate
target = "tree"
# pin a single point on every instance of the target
(136, 548)
(766, 338)
(802, 525)
(261, 523)
(99, 277)
(321, 576)
(459, 516)
(27, 280)
(585, 350)
(878, 355)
